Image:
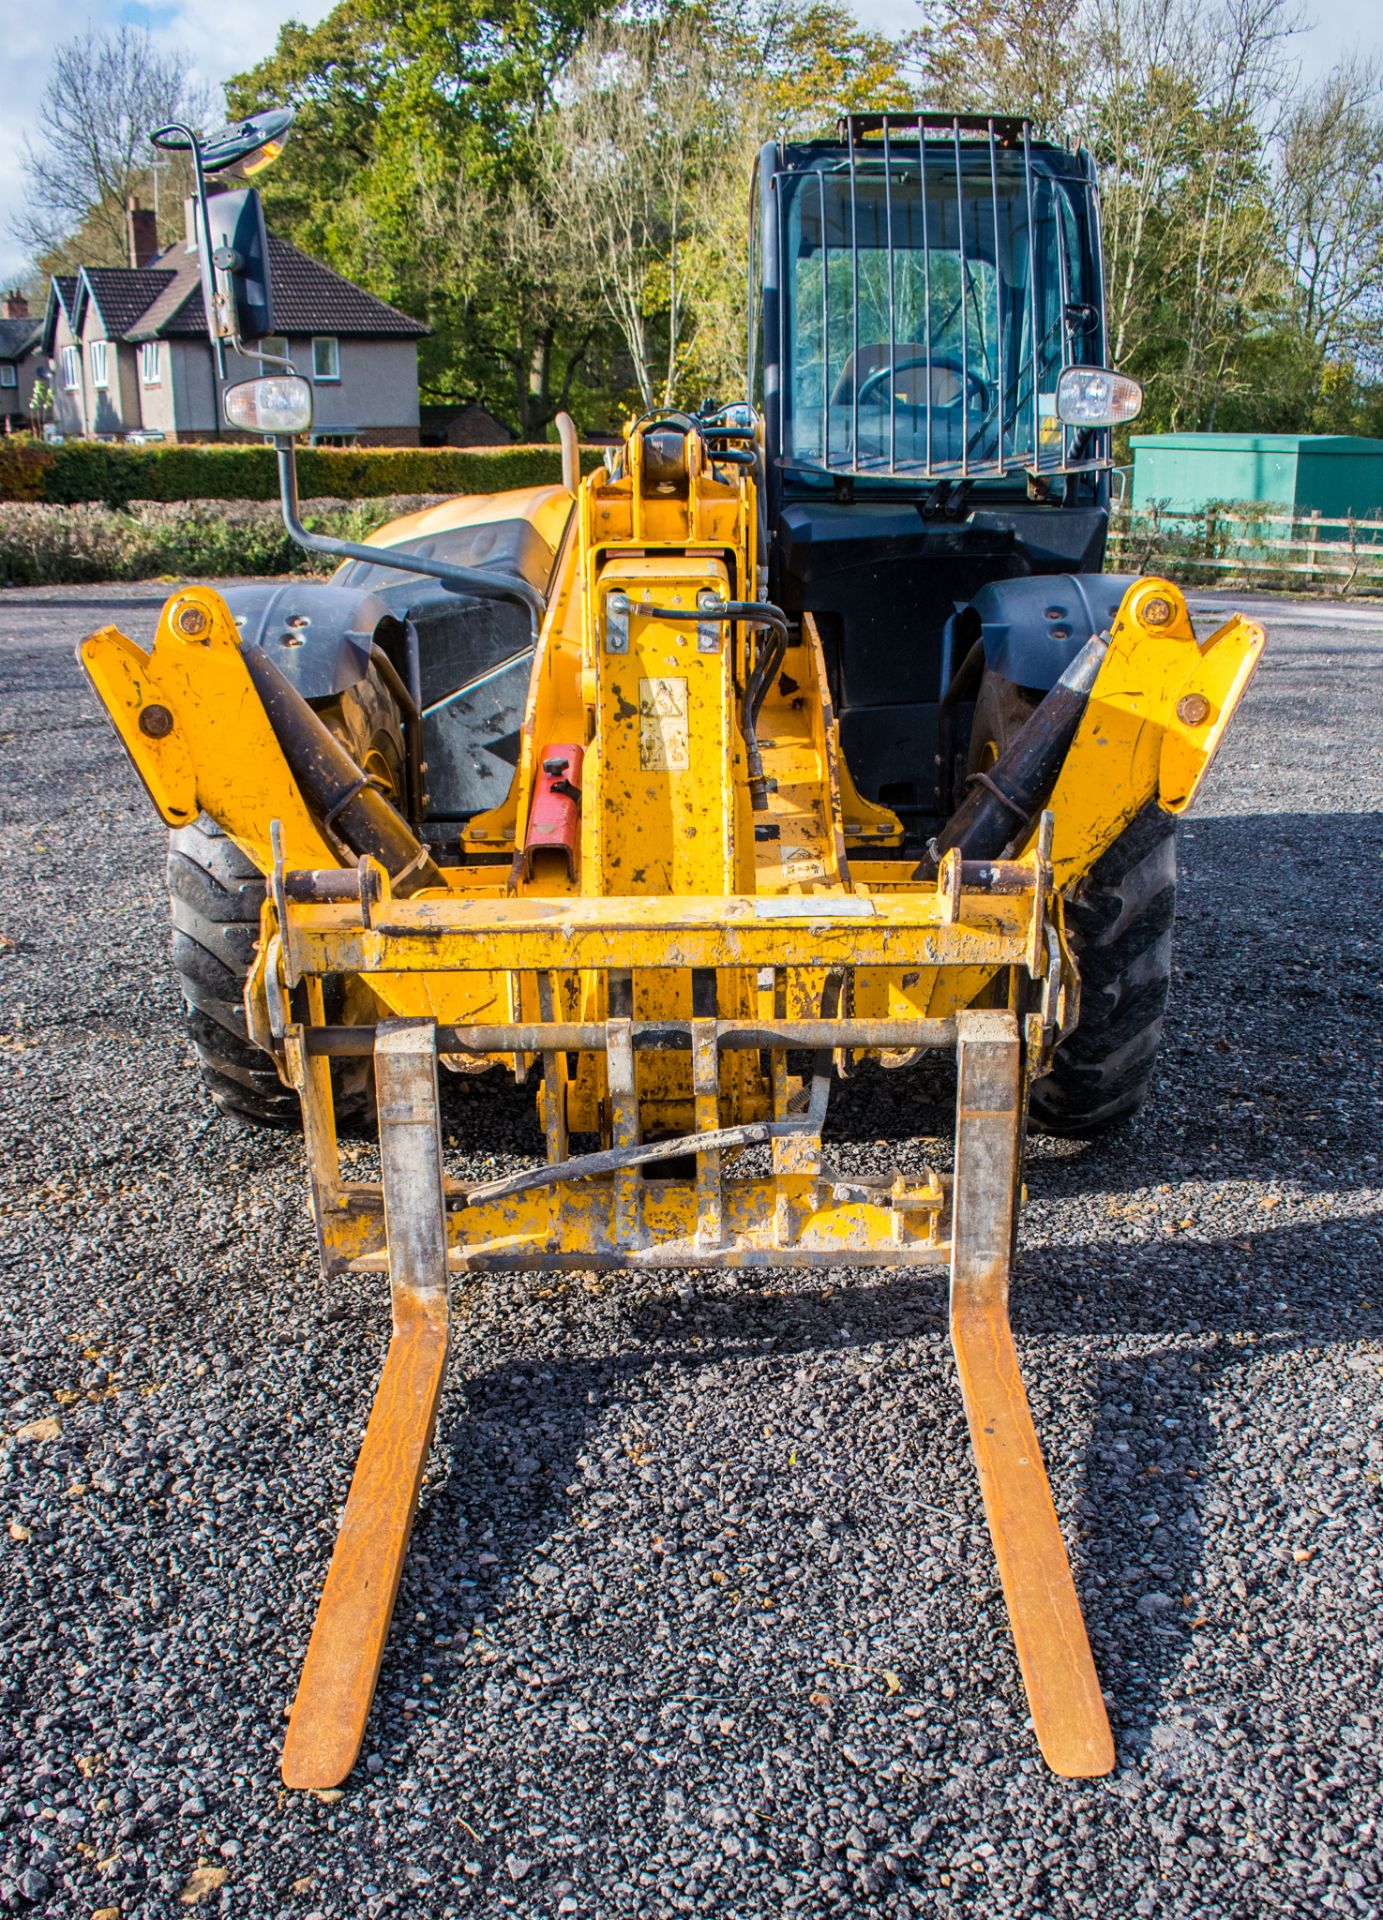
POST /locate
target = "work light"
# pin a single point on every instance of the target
(277, 403)
(1095, 397)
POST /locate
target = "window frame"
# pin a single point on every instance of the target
(100, 365)
(71, 368)
(151, 351)
(332, 379)
(9, 374)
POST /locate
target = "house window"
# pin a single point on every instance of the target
(8, 376)
(100, 364)
(274, 345)
(326, 357)
(71, 368)
(149, 371)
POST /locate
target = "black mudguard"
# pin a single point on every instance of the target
(318, 636)
(1033, 627)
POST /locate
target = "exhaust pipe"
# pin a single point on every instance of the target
(1004, 800)
(347, 806)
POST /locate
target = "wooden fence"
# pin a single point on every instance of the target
(1243, 543)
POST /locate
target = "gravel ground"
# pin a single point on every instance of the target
(700, 1615)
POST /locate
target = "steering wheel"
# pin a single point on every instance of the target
(976, 386)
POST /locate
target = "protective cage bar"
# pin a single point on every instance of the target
(938, 194)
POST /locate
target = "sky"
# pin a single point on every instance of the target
(199, 27)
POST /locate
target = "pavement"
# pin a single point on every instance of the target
(700, 1616)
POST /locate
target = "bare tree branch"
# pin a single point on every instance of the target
(1329, 205)
(91, 151)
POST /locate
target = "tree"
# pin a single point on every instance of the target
(1177, 93)
(1177, 100)
(1004, 56)
(650, 154)
(40, 401)
(796, 67)
(412, 169)
(496, 255)
(631, 131)
(1328, 202)
(104, 92)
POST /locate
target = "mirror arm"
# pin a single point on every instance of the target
(489, 586)
(194, 147)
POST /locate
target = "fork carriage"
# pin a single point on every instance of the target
(789, 974)
(618, 1208)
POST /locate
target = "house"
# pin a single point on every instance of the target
(466, 425)
(130, 353)
(20, 364)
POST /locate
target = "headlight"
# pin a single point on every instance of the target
(1095, 397)
(276, 403)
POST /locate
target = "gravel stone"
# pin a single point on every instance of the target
(700, 1615)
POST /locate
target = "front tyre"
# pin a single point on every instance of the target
(1119, 926)
(216, 893)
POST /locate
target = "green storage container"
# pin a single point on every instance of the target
(1332, 474)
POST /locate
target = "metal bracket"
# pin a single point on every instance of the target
(617, 623)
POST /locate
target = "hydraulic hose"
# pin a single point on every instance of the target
(754, 613)
(346, 804)
(1006, 798)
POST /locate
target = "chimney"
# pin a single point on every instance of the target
(141, 232)
(14, 306)
(191, 239)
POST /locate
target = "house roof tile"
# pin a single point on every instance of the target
(121, 295)
(62, 291)
(62, 296)
(308, 298)
(164, 299)
(17, 336)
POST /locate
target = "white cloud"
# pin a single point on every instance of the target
(201, 28)
(218, 48)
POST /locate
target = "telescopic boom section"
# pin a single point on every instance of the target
(662, 918)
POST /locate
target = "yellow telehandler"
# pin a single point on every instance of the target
(805, 729)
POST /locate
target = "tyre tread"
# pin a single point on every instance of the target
(1119, 923)
(215, 894)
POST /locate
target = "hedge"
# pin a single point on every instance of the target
(115, 475)
(45, 545)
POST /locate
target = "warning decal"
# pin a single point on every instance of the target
(664, 745)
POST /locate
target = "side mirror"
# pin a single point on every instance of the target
(279, 404)
(232, 242)
(242, 301)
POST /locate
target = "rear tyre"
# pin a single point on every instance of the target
(1119, 926)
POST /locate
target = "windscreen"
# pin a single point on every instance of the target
(924, 331)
